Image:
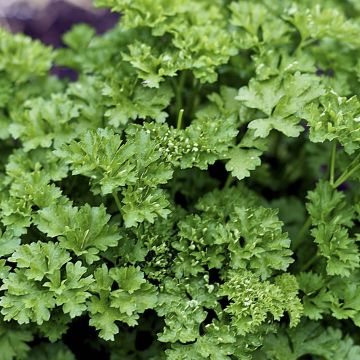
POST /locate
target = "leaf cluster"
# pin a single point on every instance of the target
(193, 194)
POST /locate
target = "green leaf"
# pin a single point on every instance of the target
(318, 299)
(23, 58)
(57, 325)
(50, 257)
(129, 279)
(100, 156)
(310, 338)
(183, 306)
(144, 205)
(334, 118)
(9, 242)
(332, 218)
(84, 231)
(282, 99)
(288, 127)
(56, 351)
(14, 341)
(72, 292)
(4, 269)
(262, 95)
(338, 248)
(103, 317)
(251, 300)
(42, 123)
(143, 103)
(219, 342)
(134, 295)
(242, 161)
(25, 301)
(79, 37)
(321, 22)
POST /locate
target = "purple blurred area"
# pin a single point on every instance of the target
(48, 20)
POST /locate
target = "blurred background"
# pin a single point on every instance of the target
(47, 20)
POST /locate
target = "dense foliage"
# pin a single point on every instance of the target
(194, 194)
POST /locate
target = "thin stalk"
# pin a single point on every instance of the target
(179, 89)
(117, 200)
(228, 181)
(303, 44)
(308, 42)
(195, 97)
(180, 118)
(354, 166)
(309, 262)
(304, 229)
(306, 226)
(345, 176)
(277, 141)
(332, 163)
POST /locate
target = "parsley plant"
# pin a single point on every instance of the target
(194, 194)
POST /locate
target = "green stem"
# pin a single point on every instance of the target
(334, 184)
(309, 263)
(306, 226)
(332, 163)
(304, 229)
(345, 176)
(179, 120)
(179, 89)
(277, 141)
(308, 42)
(117, 200)
(354, 166)
(304, 43)
(228, 181)
(195, 97)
